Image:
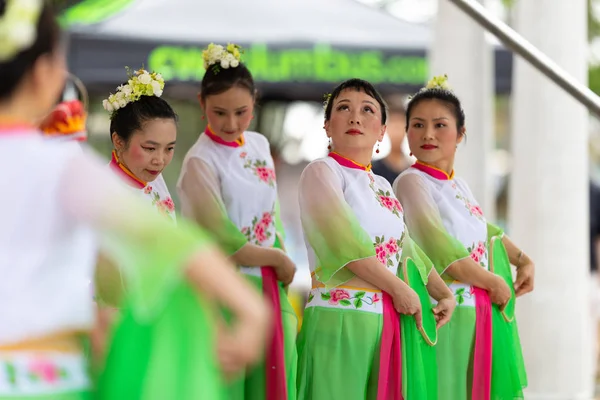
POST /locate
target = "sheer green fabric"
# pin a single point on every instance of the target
(419, 382)
(53, 396)
(200, 194)
(152, 264)
(494, 231)
(338, 354)
(509, 376)
(330, 226)
(169, 357)
(412, 250)
(425, 225)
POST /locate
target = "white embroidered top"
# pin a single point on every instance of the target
(231, 190)
(347, 214)
(446, 221)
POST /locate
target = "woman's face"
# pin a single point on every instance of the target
(150, 149)
(432, 132)
(229, 113)
(355, 121)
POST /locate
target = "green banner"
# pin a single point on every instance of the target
(92, 12)
(320, 63)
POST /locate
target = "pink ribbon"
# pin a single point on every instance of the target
(482, 362)
(276, 387)
(390, 354)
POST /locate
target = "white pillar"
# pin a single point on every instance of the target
(461, 51)
(548, 205)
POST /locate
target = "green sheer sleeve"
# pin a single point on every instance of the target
(152, 256)
(330, 226)
(150, 250)
(424, 222)
(279, 231)
(422, 262)
(199, 191)
(494, 231)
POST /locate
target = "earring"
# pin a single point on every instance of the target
(329, 146)
(410, 154)
(377, 150)
(203, 117)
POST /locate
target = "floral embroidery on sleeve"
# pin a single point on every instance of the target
(261, 229)
(386, 199)
(260, 169)
(386, 249)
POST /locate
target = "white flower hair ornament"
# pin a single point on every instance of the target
(140, 83)
(218, 56)
(18, 27)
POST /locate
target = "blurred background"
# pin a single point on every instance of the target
(298, 50)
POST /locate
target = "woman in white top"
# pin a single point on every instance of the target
(58, 202)
(479, 355)
(228, 186)
(359, 253)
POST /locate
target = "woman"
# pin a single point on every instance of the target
(227, 185)
(447, 223)
(143, 130)
(356, 238)
(58, 196)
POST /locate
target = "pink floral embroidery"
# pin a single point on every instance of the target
(381, 253)
(260, 232)
(386, 249)
(478, 253)
(169, 204)
(397, 205)
(261, 229)
(44, 370)
(343, 298)
(337, 295)
(260, 169)
(386, 199)
(476, 211)
(147, 189)
(267, 218)
(392, 246)
(166, 206)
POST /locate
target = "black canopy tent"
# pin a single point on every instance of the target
(296, 49)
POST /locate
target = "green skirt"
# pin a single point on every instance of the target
(169, 357)
(252, 386)
(455, 347)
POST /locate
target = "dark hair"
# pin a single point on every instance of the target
(217, 80)
(443, 95)
(360, 86)
(130, 118)
(13, 70)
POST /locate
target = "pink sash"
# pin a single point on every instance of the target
(276, 388)
(482, 362)
(390, 354)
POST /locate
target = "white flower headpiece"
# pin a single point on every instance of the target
(437, 82)
(223, 57)
(140, 83)
(18, 26)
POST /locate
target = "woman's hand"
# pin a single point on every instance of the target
(525, 279)
(406, 301)
(443, 311)
(284, 268)
(499, 291)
